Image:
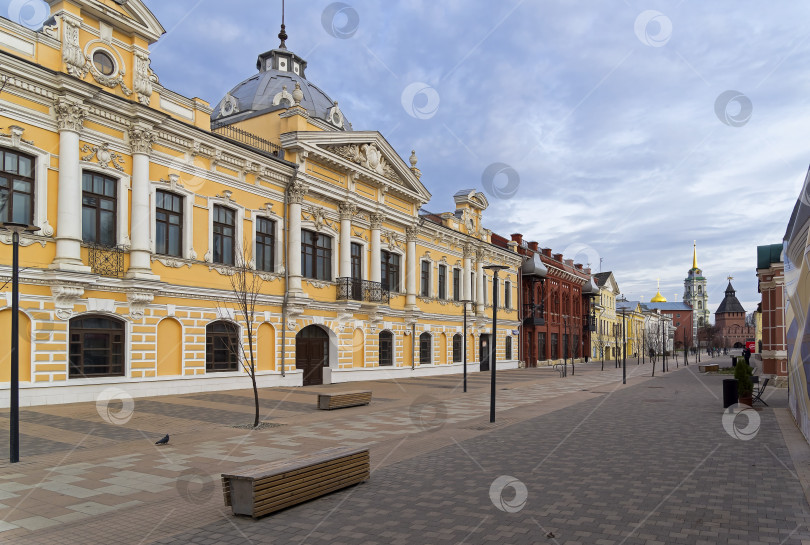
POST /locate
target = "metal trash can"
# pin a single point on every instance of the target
(734, 361)
(729, 392)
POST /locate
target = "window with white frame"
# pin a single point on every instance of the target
(265, 244)
(17, 183)
(168, 223)
(99, 208)
(424, 278)
(442, 281)
(224, 231)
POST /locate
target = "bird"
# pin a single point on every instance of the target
(550, 535)
(163, 441)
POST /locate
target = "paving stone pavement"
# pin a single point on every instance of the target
(649, 462)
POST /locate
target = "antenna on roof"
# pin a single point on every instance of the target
(282, 35)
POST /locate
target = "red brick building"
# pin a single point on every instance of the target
(771, 281)
(554, 307)
(682, 319)
(730, 318)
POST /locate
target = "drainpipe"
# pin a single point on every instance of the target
(286, 292)
(413, 346)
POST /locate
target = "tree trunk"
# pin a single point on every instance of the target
(255, 399)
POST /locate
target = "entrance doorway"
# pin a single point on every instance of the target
(484, 349)
(312, 353)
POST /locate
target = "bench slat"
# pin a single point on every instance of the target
(283, 466)
(339, 400)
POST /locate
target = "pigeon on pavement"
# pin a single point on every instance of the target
(163, 441)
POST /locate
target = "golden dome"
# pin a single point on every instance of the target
(658, 298)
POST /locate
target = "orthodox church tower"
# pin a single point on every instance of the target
(695, 294)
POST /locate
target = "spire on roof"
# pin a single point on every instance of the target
(694, 254)
(282, 35)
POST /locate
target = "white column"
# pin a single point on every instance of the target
(479, 277)
(466, 288)
(140, 266)
(347, 210)
(295, 195)
(69, 120)
(411, 234)
(376, 225)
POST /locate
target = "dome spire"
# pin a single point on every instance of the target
(282, 35)
(694, 254)
(658, 297)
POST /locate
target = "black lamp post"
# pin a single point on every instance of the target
(14, 425)
(624, 346)
(494, 341)
(464, 302)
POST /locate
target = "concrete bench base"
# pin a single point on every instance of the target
(709, 368)
(339, 400)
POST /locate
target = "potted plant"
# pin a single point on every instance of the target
(745, 384)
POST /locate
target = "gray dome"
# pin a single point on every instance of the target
(273, 89)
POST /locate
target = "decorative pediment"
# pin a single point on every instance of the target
(368, 156)
(128, 16)
(364, 154)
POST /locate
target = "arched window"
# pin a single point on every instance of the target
(508, 346)
(425, 349)
(457, 350)
(386, 348)
(96, 347)
(700, 304)
(221, 347)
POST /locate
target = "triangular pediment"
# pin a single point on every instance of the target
(365, 152)
(128, 16)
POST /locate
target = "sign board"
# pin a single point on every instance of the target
(515, 332)
(751, 345)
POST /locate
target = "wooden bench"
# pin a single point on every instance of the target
(339, 400)
(264, 489)
(709, 368)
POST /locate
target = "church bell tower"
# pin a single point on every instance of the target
(695, 294)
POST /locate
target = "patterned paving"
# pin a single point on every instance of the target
(602, 462)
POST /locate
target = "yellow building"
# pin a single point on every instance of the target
(146, 213)
(606, 341)
(630, 316)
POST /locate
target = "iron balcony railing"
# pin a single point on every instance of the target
(107, 260)
(533, 315)
(240, 135)
(353, 289)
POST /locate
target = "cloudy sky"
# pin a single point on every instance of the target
(616, 132)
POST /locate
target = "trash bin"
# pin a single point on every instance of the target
(729, 392)
(733, 361)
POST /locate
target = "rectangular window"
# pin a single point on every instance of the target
(16, 188)
(265, 244)
(425, 278)
(316, 255)
(473, 287)
(507, 294)
(99, 207)
(356, 259)
(456, 285)
(457, 348)
(386, 348)
(390, 271)
(224, 235)
(168, 223)
(541, 346)
(442, 281)
(508, 348)
(555, 349)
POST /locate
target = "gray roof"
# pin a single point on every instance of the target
(254, 96)
(730, 302)
(675, 305)
(601, 278)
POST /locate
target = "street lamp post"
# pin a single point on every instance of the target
(14, 424)
(464, 302)
(493, 343)
(624, 346)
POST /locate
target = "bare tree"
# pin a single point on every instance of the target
(246, 286)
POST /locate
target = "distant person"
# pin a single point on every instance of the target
(747, 355)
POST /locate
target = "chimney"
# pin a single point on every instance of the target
(569, 262)
(588, 270)
(546, 252)
(557, 257)
(517, 237)
(533, 246)
(578, 266)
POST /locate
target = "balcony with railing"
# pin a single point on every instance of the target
(533, 315)
(352, 289)
(106, 260)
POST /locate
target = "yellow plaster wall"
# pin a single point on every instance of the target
(24, 347)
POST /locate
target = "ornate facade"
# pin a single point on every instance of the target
(148, 203)
(771, 284)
